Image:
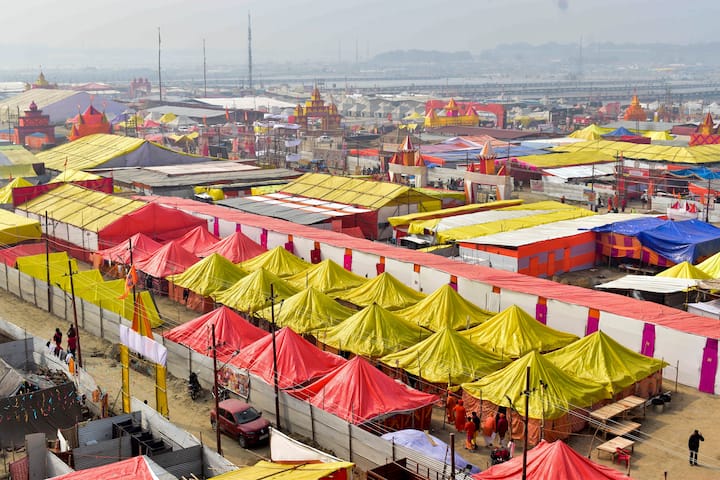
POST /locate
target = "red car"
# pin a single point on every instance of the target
(242, 421)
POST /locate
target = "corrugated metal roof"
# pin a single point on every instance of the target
(290, 212)
(156, 178)
(582, 171)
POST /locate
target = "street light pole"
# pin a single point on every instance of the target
(274, 348)
(77, 329)
(215, 392)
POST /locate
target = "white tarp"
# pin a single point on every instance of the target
(286, 449)
(143, 345)
(705, 309)
(646, 283)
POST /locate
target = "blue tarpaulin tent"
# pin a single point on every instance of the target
(428, 445)
(631, 228)
(621, 132)
(684, 241)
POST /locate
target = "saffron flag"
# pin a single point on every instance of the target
(130, 281)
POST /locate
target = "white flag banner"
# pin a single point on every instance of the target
(147, 347)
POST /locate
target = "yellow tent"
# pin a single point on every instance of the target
(445, 308)
(282, 471)
(384, 290)
(16, 228)
(307, 311)
(6, 191)
(327, 277)
(74, 175)
(410, 217)
(81, 280)
(599, 358)
(278, 261)
(685, 270)
(36, 266)
(711, 266)
(564, 392)
(591, 132)
(513, 332)
(446, 357)
(107, 295)
(209, 275)
(373, 332)
(168, 117)
(252, 293)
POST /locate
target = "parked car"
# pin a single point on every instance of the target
(240, 420)
(324, 139)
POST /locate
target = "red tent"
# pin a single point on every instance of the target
(198, 240)
(236, 248)
(358, 392)
(158, 222)
(142, 245)
(134, 468)
(298, 360)
(551, 460)
(10, 255)
(232, 332)
(169, 259)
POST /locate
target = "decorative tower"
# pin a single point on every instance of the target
(34, 122)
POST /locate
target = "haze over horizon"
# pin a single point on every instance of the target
(105, 33)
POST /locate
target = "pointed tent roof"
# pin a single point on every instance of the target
(327, 277)
(446, 357)
(685, 270)
(470, 112)
(169, 259)
(298, 360)
(431, 116)
(707, 126)
(567, 391)
(6, 191)
(384, 290)
(358, 392)
(308, 311)
(621, 132)
(209, 275)
(711, 266)
(513, 333)
(373, 332)
(597, 357)
(142, 245)
(445, 307)
(236, 248)
(591, 132)
(232, 332)
(133, 468)
(197, 240)
(70, 175)
(407, 145)
(278, 261)
(252, 293)
(451, 105)
(554, 460)
(487, 152)
(107, 295)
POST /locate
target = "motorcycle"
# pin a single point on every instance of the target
(194, 387)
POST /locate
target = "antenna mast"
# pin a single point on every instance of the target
(250, 81)
(159, 70)
(204, 69)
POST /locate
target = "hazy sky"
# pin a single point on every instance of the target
(297, 30)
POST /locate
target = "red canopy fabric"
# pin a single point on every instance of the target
(169, 259)
(198, 239)
(10, 255)
(358, 392)
(232, 332)
(236, 248)
(158, 222)
(298, 360)
(134, 468)
(551, 460)
(142, 245)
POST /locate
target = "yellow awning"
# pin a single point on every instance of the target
(88, 152)
(16, 228)
(276, 471)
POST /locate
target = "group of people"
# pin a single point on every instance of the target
(492, 428)
(55, 345)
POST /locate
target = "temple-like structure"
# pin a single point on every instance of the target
(90, 122)
(408, 163)
(34, 129)
(315, 108)
(451, 116)
(635, 112)
(41, 82)
(705, 134)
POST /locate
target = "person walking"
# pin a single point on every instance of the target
(460, 415)
(488, 429)
(450, 407)
(470, 434)
(476, 420)
(694, 446)
(501, 427)
(72, 339)
(57, 338)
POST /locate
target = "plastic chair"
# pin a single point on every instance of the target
(622, 455)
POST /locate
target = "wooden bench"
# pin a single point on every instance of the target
(611, 446)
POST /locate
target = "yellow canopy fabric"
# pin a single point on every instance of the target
(551, 160)
(276, 471)
(74, 175)
(373, 332)
(211, 274)
(565, 391)
(591, 132)
(16, 228)
(168, 117)
(327, 277)
(658, 153)
(411, 217)
(81, 207)
(513, 332)
(88, 152)
(81, 280)
(252, 293)
(685, 270)
(599, 358)
(307, 312)
(36, 266)
(363, 193)
(445, 308)
(278, 261)
(265, 189)
(446, 357)
(107, 295)
(6, 191)
(711, 266)
(384, 290)
(18, 155)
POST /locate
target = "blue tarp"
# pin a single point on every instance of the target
(621, 132)
(684, 241)
(428, 445)
(631, 228)
(698, 172)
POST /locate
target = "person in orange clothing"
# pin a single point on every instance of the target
(489, 430)
(460, 415)
(450, 407)
(470, 434)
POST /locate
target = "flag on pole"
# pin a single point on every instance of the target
(130, 281)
